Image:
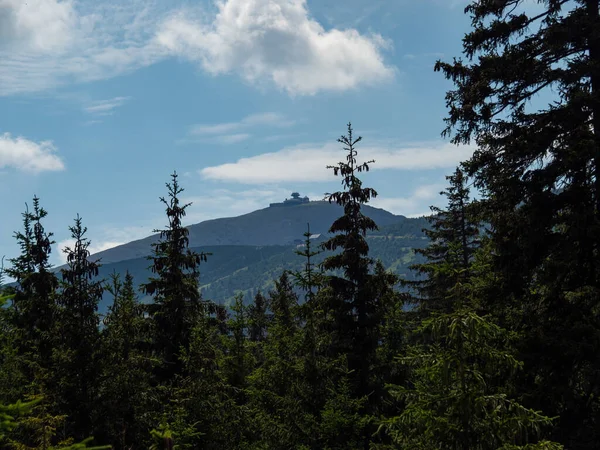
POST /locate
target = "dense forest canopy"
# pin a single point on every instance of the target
(492, 344)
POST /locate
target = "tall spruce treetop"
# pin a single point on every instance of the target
(34, 296)
(31, 269)
(349, 236)
(350, 229)
(177, 300)
(76, 355)
(80, 293)
(453, 240)
(354, 301)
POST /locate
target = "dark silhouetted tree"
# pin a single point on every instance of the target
(77, 354)
(177, 301)
(537, 166)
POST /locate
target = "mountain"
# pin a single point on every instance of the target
(250, 251)
(246, 269)
(276, 225)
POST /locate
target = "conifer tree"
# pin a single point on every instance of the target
(126, 368)
(13, 378)
(9, 415)
(353, 310)
(310, 280)
(177, 301)
(257, 318)
(356, 301)
(76, 356)
(453, 240)
(539, 171)
(237, 358)
(204, 408)
(276, 386)
(34, 297)
(460, 396)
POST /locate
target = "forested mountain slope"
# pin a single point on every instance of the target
(248, 269)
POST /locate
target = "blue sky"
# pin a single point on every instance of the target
(101, 100)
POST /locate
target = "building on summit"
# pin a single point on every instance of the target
(295, 200)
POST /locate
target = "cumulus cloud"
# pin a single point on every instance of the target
(277, 40)
(49, 43)
(39, 25)
(309, 162)
(29, 156)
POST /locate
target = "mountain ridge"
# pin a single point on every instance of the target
(267, 226)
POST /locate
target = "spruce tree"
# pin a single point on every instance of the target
(356, 301)
(257, 318)
(177, 301)
(538, 169)
(276, 386)
(126, 367)
(460, 396)
(76, 356)
(34, 296)
(353, 309)
(310, 280)
(453, 240)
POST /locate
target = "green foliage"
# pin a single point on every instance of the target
(32, 420)
(357, 300)
(507, 324)
(459, 394)
(9, 415)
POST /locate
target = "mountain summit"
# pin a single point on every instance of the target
(279, 224)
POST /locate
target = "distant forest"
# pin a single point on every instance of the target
(491, 342)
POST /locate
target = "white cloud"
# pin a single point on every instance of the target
(105, 107)
(232, 132)
(29, 156)
(47, 43)
(38, 25)
(265, 119)
(231, 138)
(309, 162)
(277, 40)
(415, 204)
